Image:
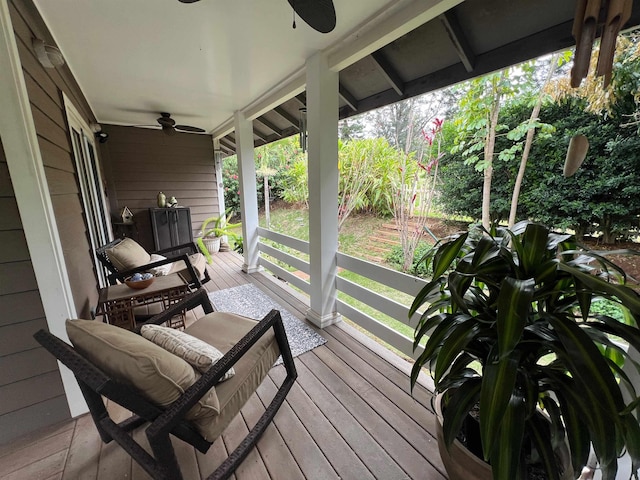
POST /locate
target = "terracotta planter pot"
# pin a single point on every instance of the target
(461, 464)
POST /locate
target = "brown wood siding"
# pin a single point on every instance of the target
(141, 162)
(30, 383)
(31, 392)
(45, 87)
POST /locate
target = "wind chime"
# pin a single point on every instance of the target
(606, 16)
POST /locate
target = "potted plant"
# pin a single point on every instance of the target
(509, 330)
(211, 237)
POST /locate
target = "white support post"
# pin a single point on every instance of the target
(248, 194)
(217, 158)
(24, 160)
(322, 123)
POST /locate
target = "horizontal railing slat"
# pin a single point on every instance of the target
(284, 257)
(290, 242)
(282, 273)
(395, 310)
(400, 281)
(380, 330)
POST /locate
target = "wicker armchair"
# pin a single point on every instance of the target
(177, 256)
(171, 419)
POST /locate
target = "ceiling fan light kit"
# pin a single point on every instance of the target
(169, 126)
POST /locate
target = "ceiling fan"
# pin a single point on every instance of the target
(318, 14)
(169, 126)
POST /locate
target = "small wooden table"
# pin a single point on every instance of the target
(117, 302)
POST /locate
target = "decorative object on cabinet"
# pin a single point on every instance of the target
(162, 200)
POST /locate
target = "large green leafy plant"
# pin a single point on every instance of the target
(508, 322)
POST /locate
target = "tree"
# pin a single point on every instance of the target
(531, 130)
(477, 121)
(351, 128)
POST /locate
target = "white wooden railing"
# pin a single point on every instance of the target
(401, 282)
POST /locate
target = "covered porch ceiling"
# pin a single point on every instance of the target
(204, 61)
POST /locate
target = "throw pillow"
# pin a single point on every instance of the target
(133, 360)
(194, 351)
(161, 270)
(127, 254)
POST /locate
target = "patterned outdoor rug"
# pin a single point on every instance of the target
(250, 301)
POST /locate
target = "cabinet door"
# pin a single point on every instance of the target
(184, 233)
(162, 228)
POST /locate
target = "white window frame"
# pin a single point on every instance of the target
(89, 179)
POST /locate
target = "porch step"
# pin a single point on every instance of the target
(384, 240)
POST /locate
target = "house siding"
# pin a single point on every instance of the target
(31, 391)
(141, 162)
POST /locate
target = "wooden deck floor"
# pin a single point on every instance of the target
(348, 416)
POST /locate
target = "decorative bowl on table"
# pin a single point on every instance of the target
(139, 280)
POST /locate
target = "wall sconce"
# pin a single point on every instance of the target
(101, 136)
(48, 55)
(303, 129)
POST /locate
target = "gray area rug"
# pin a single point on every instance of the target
(250, 301)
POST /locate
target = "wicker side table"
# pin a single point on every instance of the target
(117, 302)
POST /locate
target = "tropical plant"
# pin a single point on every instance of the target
(509, 326)
(221, 226)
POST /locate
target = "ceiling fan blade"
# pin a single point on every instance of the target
(318, 14)
(189, 128)
(188, 1)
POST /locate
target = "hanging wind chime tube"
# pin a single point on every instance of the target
(303, 129)
(609, 16)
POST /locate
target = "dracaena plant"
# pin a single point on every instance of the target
(508, 326)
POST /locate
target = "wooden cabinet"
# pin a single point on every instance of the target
(171, 226)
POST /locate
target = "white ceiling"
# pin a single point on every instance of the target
(200, 62)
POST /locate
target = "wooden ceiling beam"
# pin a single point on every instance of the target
(224, 141)
(459, 39)
(270, 126)
(259, 134)
(348, 98)
(388, 72)
(288, 117)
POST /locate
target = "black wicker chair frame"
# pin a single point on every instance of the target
(179, 253)
(162, 464)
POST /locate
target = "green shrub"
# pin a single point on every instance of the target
(419, 268)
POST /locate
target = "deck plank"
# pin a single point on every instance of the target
(349, 415)
(344, 461)
(84, 452)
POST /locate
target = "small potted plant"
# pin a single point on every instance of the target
(211, 237)
(510, 334)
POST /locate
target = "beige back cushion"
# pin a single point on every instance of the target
(158, 375)
(223, 331)
(128, 254)
(199, 263)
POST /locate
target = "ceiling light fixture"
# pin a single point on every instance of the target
(48, 55)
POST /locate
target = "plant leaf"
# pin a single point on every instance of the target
(498, 382)
(505, 457)
(458, 406)
(446, 254)
(538, 428)
(457, 339)
(514, 304)
(534, 247)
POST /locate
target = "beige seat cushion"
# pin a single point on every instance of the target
(127, 254)
(223, 331)
(199, 263)
(158, 375)
(194, 351)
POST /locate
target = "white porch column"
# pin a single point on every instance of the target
(322, 123)
(217, 158)
(30, 186)
(248, 194)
